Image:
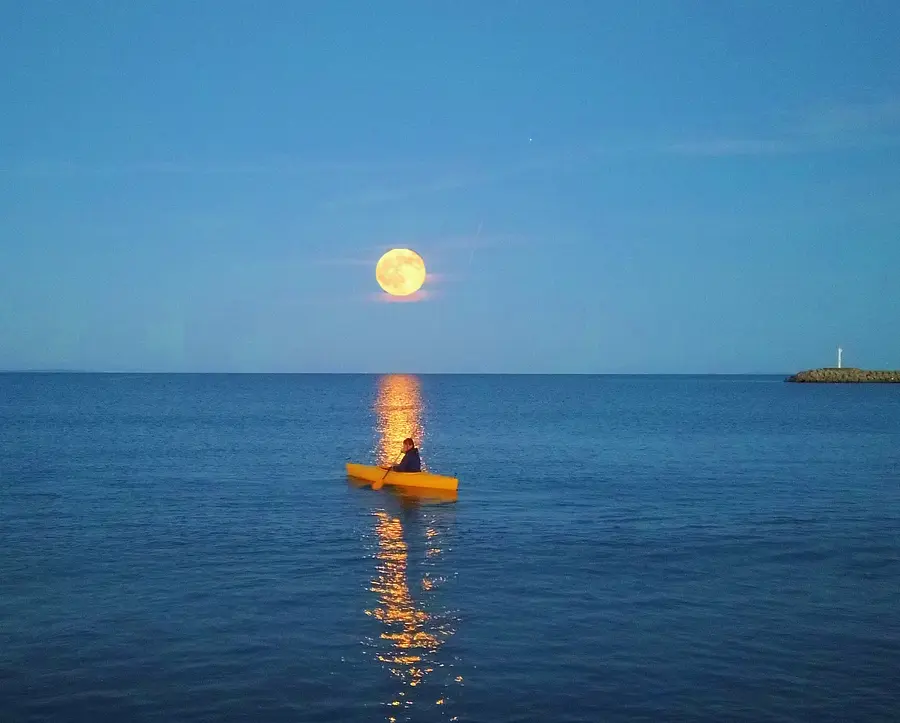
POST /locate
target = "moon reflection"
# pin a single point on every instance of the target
(408, 567)
(398, 411)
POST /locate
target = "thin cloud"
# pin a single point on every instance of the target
(475, 242)
(724, 147)
(377, 196)
(732, 147)
(817, 129)
(63, 168)
(479, 241)
(415, 297)
(854, 118)
(444, 181)
(343, 261)
(851, 126)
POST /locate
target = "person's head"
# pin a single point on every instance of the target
(408, 444)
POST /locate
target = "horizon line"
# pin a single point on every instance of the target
(383, 373)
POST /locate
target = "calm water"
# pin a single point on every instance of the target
(187, 548)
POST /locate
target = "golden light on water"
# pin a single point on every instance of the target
(398, 409)
(409, 632)
(411, 635)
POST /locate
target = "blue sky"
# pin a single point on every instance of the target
(634, 187)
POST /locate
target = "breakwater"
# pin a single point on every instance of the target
(845, 375)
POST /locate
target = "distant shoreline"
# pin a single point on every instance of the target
(845, 375)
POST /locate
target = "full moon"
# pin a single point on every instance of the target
(400, 272)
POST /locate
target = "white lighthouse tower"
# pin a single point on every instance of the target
(840, 351)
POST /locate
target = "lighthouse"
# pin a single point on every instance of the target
(840, 351)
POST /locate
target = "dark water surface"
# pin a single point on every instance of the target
(188, 548)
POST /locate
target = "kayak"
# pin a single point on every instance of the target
(371, 473)
(419, 495)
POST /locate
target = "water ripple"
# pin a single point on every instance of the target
(188, 548)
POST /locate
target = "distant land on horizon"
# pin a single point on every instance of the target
(846, 375)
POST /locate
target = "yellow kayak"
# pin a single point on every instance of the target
(371, 473)
(423, 495)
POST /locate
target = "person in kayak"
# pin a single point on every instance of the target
(411, 461)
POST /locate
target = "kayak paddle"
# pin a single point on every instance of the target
(378, 484)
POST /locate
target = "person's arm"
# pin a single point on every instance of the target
(394, 467)
(404, 464)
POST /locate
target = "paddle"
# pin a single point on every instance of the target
(378, 484)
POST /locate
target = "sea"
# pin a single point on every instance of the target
(620, 548)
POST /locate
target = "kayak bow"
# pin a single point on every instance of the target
(371, 473)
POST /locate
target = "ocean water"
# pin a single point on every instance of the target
(189, 548)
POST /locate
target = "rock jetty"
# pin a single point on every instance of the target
(844, 375)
